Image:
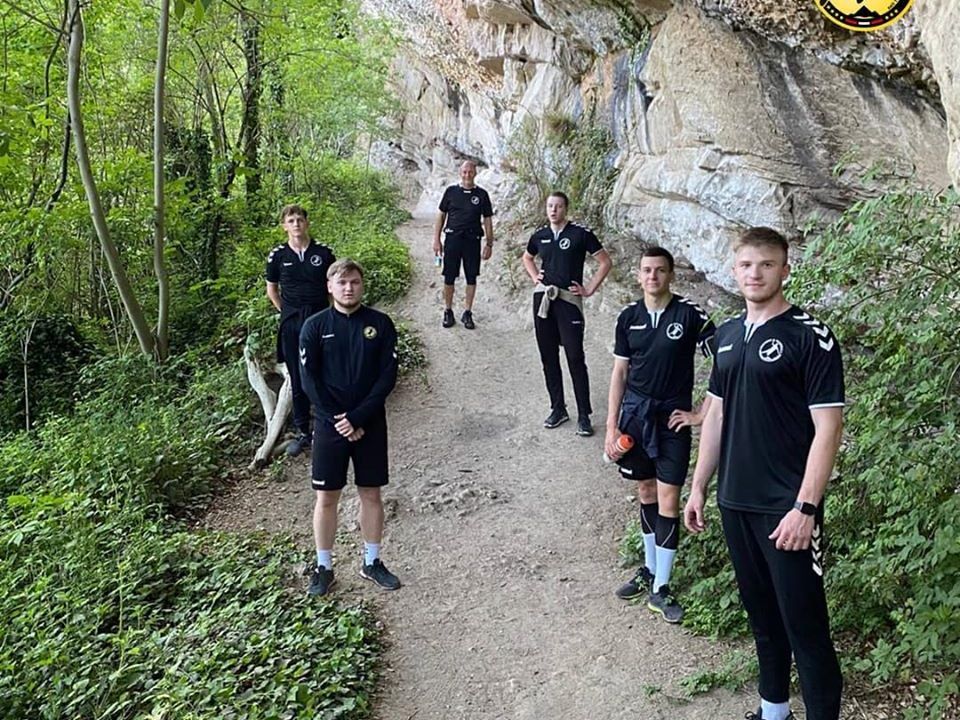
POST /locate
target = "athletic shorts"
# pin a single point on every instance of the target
(673, 453)
(461, 248)
(332, 454)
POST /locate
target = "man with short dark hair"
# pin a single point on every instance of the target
(558, 295)
(773, 429)
(465, 216)
(297, 287)
(651, 400)
(349, 359)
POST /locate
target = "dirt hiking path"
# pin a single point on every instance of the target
(504, 533)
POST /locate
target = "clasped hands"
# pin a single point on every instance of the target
(346, 428)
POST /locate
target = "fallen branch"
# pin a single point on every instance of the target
(276, 406)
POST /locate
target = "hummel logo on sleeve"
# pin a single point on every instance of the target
(303, 356)
(725, 348)
(324, 337)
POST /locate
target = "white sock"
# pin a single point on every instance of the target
(664, 568)
(650, 552)
(371, 552)
(325, 559)
(774, 711)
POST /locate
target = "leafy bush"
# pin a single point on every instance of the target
(886, 277)
(113, 611)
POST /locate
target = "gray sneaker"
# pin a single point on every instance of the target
(377, 573)
(664, 603)
(300, 443)
(639, 584)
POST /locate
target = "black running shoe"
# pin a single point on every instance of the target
(584, 427)
(300, 443)
(641, 583)
(758, 716)
(664, 603)
(321, 581)
(557, 417)
(467, 320)
(448, 320)
(377, 572)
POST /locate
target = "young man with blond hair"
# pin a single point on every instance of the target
(773, 429)
(349, 360)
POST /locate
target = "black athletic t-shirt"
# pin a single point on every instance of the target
(660, 347)
(769, 378)
(562, 254)
(465, 209)
(349, 363)
(302, 278)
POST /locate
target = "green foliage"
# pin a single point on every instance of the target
(112, 611)
(571, 154)
(739, 668)
(410, 352)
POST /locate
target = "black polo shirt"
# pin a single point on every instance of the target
(302, 277)
(465, 209)
(562, 254)
(769, 378)
(660, 347)
(349, 363)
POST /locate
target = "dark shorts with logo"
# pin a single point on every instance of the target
(332, 454)
(673, 454)
(461, 248)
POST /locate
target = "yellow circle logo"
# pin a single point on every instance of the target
(863, 15)
(369, 332)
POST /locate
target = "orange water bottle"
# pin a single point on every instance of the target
(623, 444)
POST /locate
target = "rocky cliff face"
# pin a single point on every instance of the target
(723, 113)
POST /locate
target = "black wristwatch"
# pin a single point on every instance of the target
(805, 507)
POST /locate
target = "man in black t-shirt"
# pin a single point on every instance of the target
(465, 216)
(773, 429)
(558, 305)
(349, 358)
(651, 400)
(297, 287)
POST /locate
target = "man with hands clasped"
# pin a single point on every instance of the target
(773, 429)
(558, 295)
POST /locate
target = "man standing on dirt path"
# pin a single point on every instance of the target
(558, 296)
(774, 427)
(349, 359)
(297, 287)
(465, 216)
(651, 400)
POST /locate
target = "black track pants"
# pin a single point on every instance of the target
(562, 326)
(783, 594)
(290, 341)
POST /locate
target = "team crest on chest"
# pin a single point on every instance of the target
(564, 243)
(475, 200)
(369, 332)
(770, 350)
(675, 331)
(316, 261)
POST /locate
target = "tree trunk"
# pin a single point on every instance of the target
(251, 108)
(159, 220)
(130, 303)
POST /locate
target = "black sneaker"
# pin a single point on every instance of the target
(300, 443)
(758, 716)
(584, 428)
(642, 582)
(448, 320)
(321, 581)
(664, 603)
(377, 572)
(557, 416)
(467, 320)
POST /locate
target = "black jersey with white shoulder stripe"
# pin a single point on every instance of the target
(770, 376)
(302, 277)
(562, 254)
(660, 347)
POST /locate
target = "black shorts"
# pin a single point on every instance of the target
(461, 248)
(673, 454)
(332, 453)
